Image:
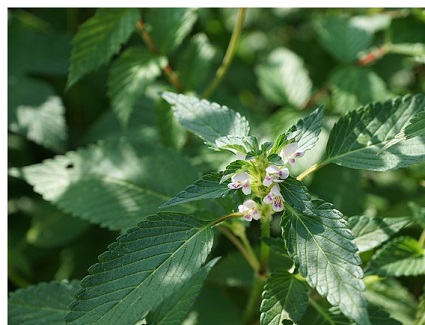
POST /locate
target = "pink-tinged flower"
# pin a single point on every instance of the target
(274, 197)
(290, 152)
(275, 174)
(249, 210)
(241, 180)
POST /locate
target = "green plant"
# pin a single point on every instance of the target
(303, 206)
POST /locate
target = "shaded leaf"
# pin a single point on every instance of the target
(322, 248)
(209, 121)
(284, 298)
(370, 232)
(174, 309)
(418, 213)
(99, 38)
(208, 187)
(420, 313)
(129, 76)
(44, 303)
(35, 112)
(283, 79)
(357, 138)
(402, 256)
(142, 268)
(296, 195)
(344, 38)
(169, 26)
(114, 184)
(353, 87)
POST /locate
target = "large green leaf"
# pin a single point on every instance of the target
(342, 37)
(169, 26)
(209, 121)
(284, 298)
(174, 309)
(370, 232)
(141, 269)
(208, 187)
(283, 79)
(196, 62)
(402, 256)
(35, 112)
(99, 38)
(115, 184)
(357, 139)
(353, 87)
(322, 248)
(129, 76)
(44, 303)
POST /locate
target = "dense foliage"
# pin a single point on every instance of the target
(216, 166)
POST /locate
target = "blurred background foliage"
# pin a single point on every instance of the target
(287, 62)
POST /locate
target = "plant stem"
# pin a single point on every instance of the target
(249, 255)
(310, 170)
(168, 71)
(230, 52)
(265, 249)
(253, 303)
(422, 239)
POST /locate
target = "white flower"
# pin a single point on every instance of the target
(276, 198)
(275, 174)
(290, 152)
(241, 180)
(249, 209)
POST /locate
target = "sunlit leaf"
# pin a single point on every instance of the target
(283, 79)
(322, 248)
(44, 303)
(357, 139)
(284, 298)
(402, 256)
(141, 269)
(99, 38)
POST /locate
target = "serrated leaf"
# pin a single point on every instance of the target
(343, 38)
(209, 121)
(322, 248)
(357, 139)
(141, 269)
(283, 79)
(284, 298)
(353, 87)
(99, 38)
(370, 232)
(35, 112)
(114, 184)
(391, 296)
(296, 195)
(129, 76)
(173, 310)
(44, 303)
(420, 313)
(170, 26)
(402, 256)
(237, 144)
(208, 187)
(307, 130)
(196, 61)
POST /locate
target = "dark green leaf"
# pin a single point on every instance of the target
(402, 256)
(322, 248)
(353, 87)
(370, 232)
(418, 213)
(141, 269)
(44, 303)
(420, 313)
(357, 139)
(284, 298)
(208, 187)
(130, 74)
(209, 121)
(99, 38)
(296, 195)
(344, 38)
(283, 79)
(173, 310)
(115, 184)
(170, 26)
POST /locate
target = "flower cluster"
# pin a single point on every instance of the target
(258, 183)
